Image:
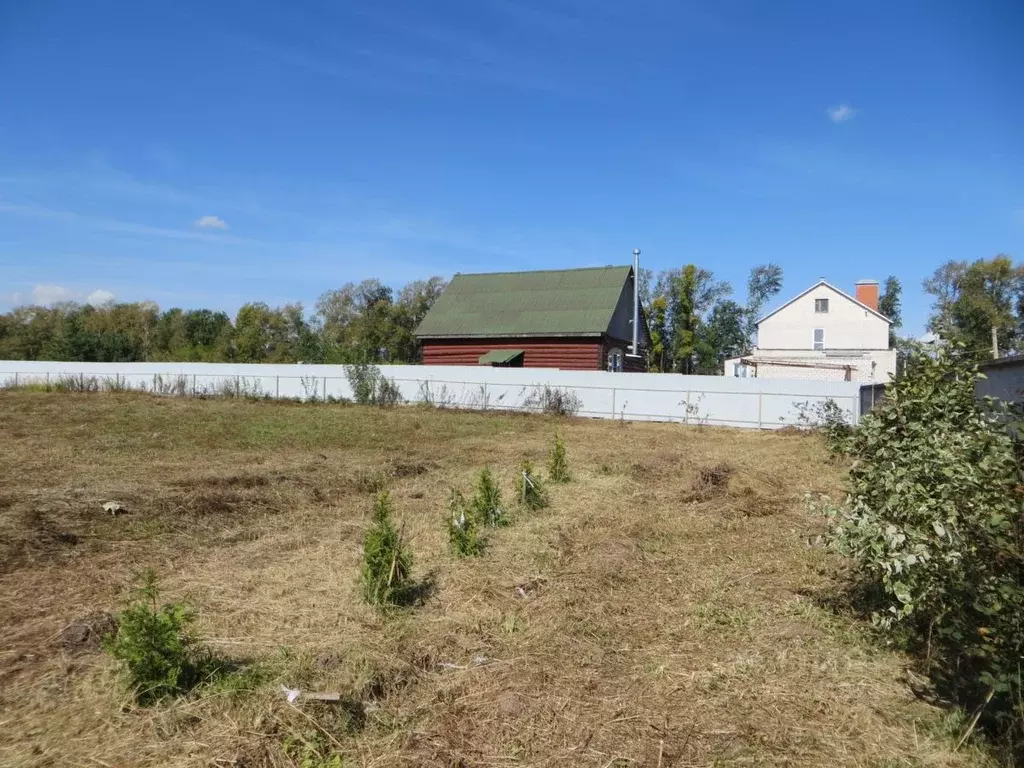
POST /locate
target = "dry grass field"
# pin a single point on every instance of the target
(646, 618)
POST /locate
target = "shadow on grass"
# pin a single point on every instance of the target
(417, 592)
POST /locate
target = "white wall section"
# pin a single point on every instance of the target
(712, 400)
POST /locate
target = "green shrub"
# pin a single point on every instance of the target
(371, 387)
(386, 562)
(154, 645)
(529, 487)
(829, 420)
(933, 524)
(558, 463)
(463, 528)
(486, 505)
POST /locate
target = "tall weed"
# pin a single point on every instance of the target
(558, 461)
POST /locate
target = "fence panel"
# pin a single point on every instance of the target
(715, 400)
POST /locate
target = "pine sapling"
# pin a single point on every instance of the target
(386, 562)
(486, 504)
(463, 527)
(529, 488)
(154, 645)
(558, 464)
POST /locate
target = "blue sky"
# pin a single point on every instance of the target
(207, 154)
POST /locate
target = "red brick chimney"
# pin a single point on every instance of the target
(867, 293)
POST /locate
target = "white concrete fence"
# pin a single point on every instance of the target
(712, 400)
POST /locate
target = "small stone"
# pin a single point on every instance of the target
(114, 507)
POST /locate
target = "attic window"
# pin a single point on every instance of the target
(821, 306)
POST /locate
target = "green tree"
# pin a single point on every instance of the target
(265, 335)
(722, 337)
(890, 305)
(694, 292)
(764, 284)
(973, 299)
(657, 323)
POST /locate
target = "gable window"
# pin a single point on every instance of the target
(819, 338)
(821, 306)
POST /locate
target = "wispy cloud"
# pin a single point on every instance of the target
(841, 113)
(210, 222)
(115, 225)
(421, 58)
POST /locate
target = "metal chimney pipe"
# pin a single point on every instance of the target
(636, 301)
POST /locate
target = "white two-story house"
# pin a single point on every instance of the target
(823, 333)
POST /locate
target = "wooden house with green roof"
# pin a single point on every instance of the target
(575, 319)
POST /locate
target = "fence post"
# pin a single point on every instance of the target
(613, 402)
(760, 423)
(686, 413)
(277, 387)
(81, 381)
(47, 380)
(324, 393)
(154, 383)
(238, 386)
(15, 379)
(193, 385)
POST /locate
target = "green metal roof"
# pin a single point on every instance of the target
(569, 302)
(499, 356)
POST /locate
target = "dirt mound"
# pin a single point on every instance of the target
(711, 482)
(87, 633)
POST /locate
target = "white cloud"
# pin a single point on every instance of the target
(210, 222)
(45, 294)
(99, 297)
(841, 114)
(52, 294)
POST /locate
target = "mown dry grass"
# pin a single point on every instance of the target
(664, 611)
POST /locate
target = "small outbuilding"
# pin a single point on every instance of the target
(575, 319)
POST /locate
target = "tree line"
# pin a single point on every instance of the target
(979, 306)
(359, 322)
(695, 323)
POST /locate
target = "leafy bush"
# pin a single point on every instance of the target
(558, 463)
(933, 523)
(371, 387)
(529, 487)
(386, 562)
(553, 400)
(463, 528)
(154, 645)
(486, 505)
(829, 420)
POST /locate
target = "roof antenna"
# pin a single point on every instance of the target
(636, 302)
